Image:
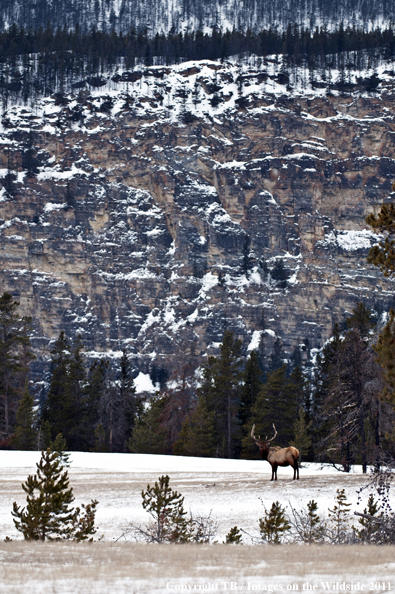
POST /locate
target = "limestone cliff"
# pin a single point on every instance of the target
(153, 212)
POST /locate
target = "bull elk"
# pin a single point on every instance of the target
(277, 456)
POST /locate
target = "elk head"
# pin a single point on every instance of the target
(263, 445)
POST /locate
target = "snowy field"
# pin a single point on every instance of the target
(234, 491)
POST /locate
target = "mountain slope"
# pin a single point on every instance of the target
(158, 213)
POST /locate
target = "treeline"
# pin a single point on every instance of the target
(296, 42)
(42, 62)
(332, 412)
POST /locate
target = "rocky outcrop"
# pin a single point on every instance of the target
(141, 217)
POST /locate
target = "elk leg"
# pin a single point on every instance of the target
(296, 470)
(274, 472)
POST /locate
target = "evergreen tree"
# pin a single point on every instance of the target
(277, 357)
(276, 403)
(370, 529)
(77, 392)
(221, 389)
(149, 436)
(274, 524)
(252, 384)
(345, 405)
(196, 437)
(59, 446)
(26, 435)
(94, 396)
(325, 360)
(48, 514)
(310, 528)
(339, 519)
(361, 320)
(15, 356)
(234, 536)
(383, 254)
(302, 440)
(65, 405)
(166, 508)
(130, 404)
(59, 406)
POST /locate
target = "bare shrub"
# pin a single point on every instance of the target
(307, 525)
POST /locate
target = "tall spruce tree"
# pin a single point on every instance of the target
(276, 403)
(221, 388)
(15, 356)
(26, 435)
(196, 437)
(65, 403)
(149, 436)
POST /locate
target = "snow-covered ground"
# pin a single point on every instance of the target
(234, 491)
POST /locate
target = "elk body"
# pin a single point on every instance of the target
(277, 456)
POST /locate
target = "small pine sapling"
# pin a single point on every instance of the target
(166, 507)
(84, 524)
(339, 516)
(370, 528)
(234, 536)
(274, 524)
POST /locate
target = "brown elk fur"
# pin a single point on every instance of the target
(277, 456)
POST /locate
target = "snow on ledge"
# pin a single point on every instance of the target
(144, 383)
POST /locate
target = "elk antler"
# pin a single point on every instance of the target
(275, 433)
(253, 436)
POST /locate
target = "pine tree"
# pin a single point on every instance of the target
(234, 536)
(274, 524)
(302, 440)
(309, 527)
(277, 357)
(58, 408)
(344, 409)
(48, 514)
(59, 446)
(65, 405)
(149, 436)
(130, 404)
(92, 415)
(166, 508)
(196, 437)
(361, 319)
(339, 518)
(221, 390)
(15, 356)
(370, 529)
(383, 254)
(276, 403)
(26, 435)
(252, 384)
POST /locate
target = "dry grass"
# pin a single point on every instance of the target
(59, 568)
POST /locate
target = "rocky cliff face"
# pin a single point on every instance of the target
(170, 204)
